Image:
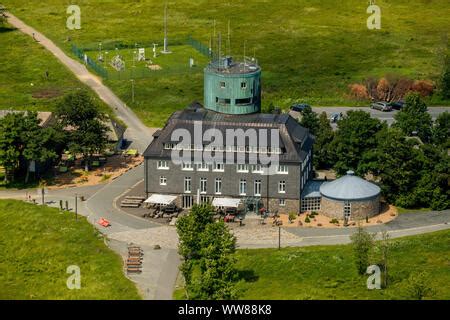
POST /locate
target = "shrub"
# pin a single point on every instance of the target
(292, 216)
(307, 220)
(334, 221)
(424, 87)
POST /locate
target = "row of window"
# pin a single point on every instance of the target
(218, 185)
(223, 85)
(219, 167)
(188, 201)
(233, 149)
(227, 101)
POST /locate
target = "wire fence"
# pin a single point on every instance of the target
(136, 73)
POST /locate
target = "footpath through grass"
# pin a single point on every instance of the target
(309, 50)
(37, 244)
(31, 78)
(329, 272)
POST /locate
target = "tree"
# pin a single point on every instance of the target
(418, 286)
(395, 160)
(355, 136)
(362, 243)
(441, 130)
(79, 113)
(218, 273)
(432, 188)
(11, 145)
(39, 143)
(310, 120)
(384, 246)
(413, 117)
(323, 138)
(445, 78)
(189, 229)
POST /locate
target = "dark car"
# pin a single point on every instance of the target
(397, 105)
(299, 107)
(382, 106)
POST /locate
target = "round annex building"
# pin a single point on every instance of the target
(350, 197)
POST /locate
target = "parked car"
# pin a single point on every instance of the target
(299, 107)
(382, 106)
(397, 104)
(335, 117)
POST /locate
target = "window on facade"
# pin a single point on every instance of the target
(311, 204)
(243, 187)
(222, 84)
(163, 180)
(257, 168)
(218, 186)
(162, 164)
(242, 168)
(243, 85)
(187, 202)
(282, 202)
(202, 167)
(187, 184)
(223, 101)
(243, 101)
(347, 209)
(282, 187)
(203, 186)
(169, 146)
(219, 167)
(187, 166)
(205, 199)
(282, 169)
(257, 187)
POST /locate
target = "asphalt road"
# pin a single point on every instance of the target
(383, 116)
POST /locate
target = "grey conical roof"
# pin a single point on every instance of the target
(349, 187)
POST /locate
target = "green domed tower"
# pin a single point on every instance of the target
(232, 87)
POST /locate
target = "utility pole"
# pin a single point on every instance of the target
(279, 238)
(76, 207)
(132, 90)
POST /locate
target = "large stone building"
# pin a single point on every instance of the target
(237, 167)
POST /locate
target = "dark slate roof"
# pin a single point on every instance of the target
(295, 140)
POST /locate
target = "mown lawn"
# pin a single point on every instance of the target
(328, 272)
(37, 244)
(23, 81)
(309, 50)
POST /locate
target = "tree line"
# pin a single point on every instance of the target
(78, 127)
(409, 160)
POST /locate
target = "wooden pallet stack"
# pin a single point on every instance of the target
(134, 260)
(132, 202)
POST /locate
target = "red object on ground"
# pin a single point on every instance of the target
(103, 222)
(229, 218)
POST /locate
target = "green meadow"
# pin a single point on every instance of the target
(38, 244)
(329, 272)
(310, 50)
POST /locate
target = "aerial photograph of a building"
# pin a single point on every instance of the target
(253, 151)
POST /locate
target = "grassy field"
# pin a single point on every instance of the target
(328, 272)
(23, 81)
(309, 50)
(37, 244)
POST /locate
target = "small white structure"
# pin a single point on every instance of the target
(226, 202)
(160, 199)
(141, 54)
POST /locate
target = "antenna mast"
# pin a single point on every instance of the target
(229, 40)
(166, 41)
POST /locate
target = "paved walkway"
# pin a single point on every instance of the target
(137, 132)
